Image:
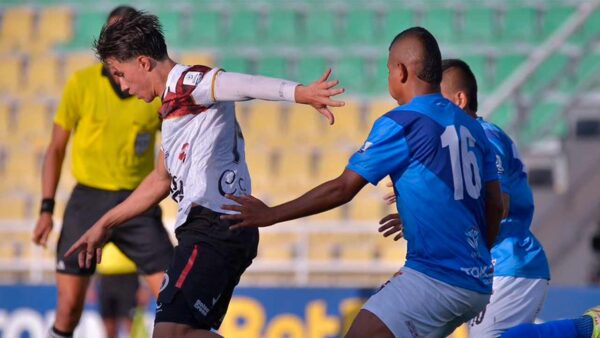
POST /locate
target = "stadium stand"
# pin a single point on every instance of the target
(290, 148)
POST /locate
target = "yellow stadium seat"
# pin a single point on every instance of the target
(5, 117)
(54, 26)
(357, 247)
(277, 246)
(294, 166)
(323, 247)
(378, 107)
(43, 76)
(17, 28)
(197, 58)
(11, 68)
(264, 121)
(348, 125)
(391, 251)
(77, 61)
(34, 119)
(332, 163)
(259, 165)
(367, 207)
(14, 206)
(305, 123)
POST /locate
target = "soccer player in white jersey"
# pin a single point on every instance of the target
(447, 188)
(521, 270)
(201, 160)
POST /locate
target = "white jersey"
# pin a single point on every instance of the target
(202, 142)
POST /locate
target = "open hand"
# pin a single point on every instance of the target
(392, 224)
(90, 246)
(318, 94)
(252, 212)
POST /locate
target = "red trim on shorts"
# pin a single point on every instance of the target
(187, 268)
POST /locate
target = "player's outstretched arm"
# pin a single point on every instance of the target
(493, 211)
(153, 189)
(241, 87)
(254, 213)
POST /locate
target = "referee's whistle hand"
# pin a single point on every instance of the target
(252, 212)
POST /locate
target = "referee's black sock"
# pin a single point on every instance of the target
(55, 333)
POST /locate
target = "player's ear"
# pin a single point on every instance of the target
(461, 99)
(403, 72)
(145, 62)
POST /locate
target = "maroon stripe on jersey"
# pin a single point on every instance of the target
(187, 268)
(181, 103)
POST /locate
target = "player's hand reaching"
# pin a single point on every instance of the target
(252, 212)
(42, 229)
(390, 225)
(318, 94)
(90, 245)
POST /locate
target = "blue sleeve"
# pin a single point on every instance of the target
(385, 152)
(501, 154)
(490, 162)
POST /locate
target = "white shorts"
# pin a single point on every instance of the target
(514, 301)
(413, 304)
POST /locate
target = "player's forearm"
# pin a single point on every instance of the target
(493, 212)
(324, 197)
(242, 87)
(51, 170)
(153, 189)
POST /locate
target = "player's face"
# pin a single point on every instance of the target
(132, 77)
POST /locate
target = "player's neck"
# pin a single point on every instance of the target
(163, 68)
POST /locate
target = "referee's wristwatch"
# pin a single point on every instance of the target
(47, 206)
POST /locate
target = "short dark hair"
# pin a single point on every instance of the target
(431, 72)
(467, 81)
(121, 11)
(135, 34)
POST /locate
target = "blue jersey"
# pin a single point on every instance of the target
(517, 252)
(439, 160)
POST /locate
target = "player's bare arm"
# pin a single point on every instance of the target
(254, 213)
(153, 189)
(241, 87)
(53, 160)
(493, 211)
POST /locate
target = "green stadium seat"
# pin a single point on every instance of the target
(554, 17)
(205, 29)
(282, 26)
(273, 66)
(360, 26)
(520, 25)
(588, 66)
(546, 73)
(504, 115)
(479, 24)
(441, 22)
(243, 27)
(310, 69)
(321, 27)
(379, 82)
(234, 64)
(172, 27)
(479, 66)
(505, 65)
(589, 30)
(395, 21)
(351, 73)
(87, 28)
(539, 117)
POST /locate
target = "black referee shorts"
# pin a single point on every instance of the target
(143, 239)
(206, 267)
(117, 295)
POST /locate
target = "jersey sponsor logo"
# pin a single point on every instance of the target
(230, 183)
(473, 240)
(60, 265)
(142, 142)
(176, 189)
(192, 78)
(201, 307)
(183, 154)
(484, 273)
